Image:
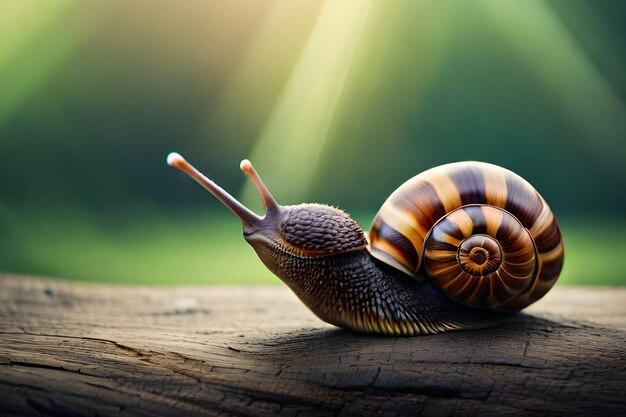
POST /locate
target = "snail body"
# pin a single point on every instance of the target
(455, 247)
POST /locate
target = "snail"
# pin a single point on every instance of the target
(459, 246)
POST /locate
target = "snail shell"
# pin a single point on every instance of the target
(482, 233)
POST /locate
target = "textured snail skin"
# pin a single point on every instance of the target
(321, 254)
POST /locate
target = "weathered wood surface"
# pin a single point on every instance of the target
(80, 349)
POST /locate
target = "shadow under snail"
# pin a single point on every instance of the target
(455, 247)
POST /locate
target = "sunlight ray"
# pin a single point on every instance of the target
(291, 142)
(252, 88)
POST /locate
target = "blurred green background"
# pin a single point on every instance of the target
(336, 102)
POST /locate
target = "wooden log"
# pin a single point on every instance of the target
(78, 349)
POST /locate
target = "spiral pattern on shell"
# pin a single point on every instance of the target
(482, 233)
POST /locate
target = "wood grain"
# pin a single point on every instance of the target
(76, 349)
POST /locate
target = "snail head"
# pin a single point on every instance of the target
(311, 230)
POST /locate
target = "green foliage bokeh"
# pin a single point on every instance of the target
(94, 95)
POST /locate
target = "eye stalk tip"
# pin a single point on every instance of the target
(246, 167)
(175, 160)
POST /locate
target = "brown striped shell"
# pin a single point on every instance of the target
(482, 233)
